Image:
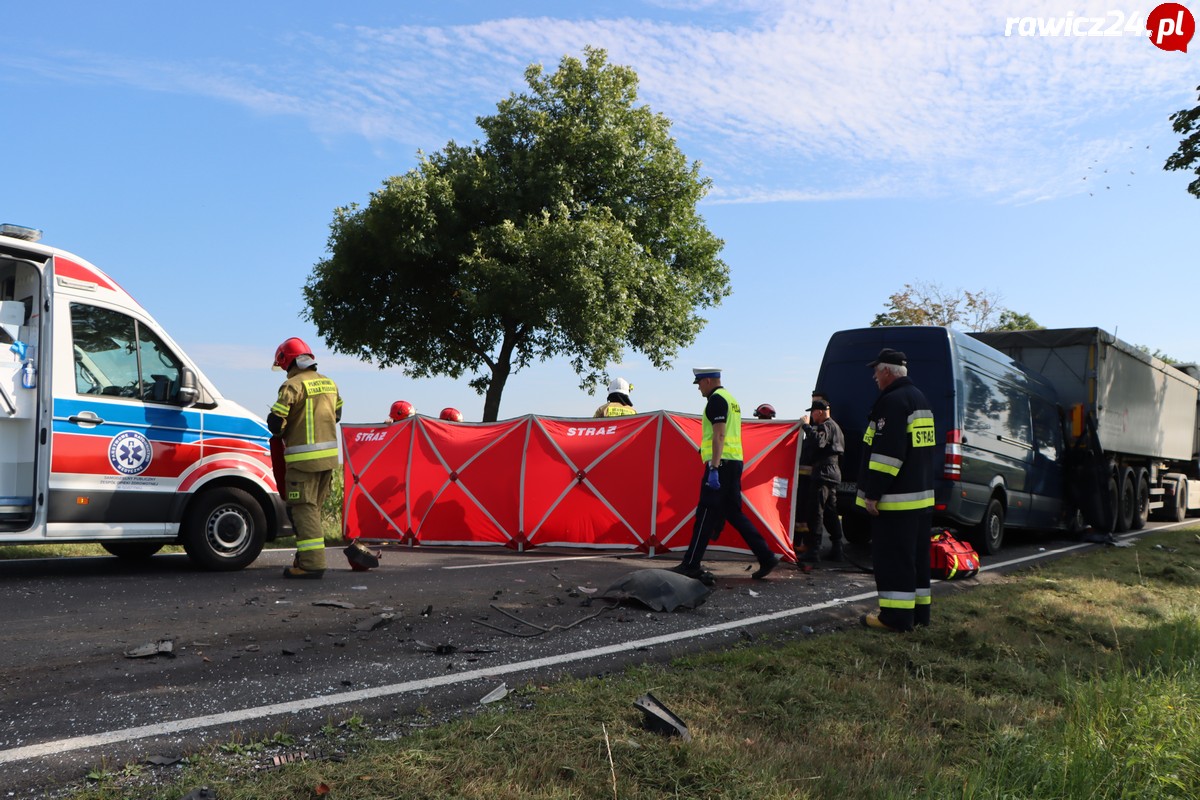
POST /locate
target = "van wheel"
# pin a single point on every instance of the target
(856, 527)
(1126, 499)
(132, 551)
(224, 529)
(1141, 503)
(988, 536)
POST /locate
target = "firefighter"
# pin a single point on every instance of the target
(305, 415)
(721, 480)
(618, 404)
(765, 411)
(895, 486)
(451, 415)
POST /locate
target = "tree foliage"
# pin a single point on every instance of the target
(1186, 122)
(570, 231)
(933, 304)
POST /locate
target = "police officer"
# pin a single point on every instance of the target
(619, 404)
(721, 480)
(305, 415)
(823, 446)
(895, 486)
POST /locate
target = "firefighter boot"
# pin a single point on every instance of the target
(304, 574)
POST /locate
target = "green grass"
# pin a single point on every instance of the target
(1078, 679)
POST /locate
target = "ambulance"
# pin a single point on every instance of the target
(109, 433)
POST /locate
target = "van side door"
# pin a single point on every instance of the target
(1046, 485)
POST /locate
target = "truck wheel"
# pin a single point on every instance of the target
(988, 536)
(1141, 503)
(1126, 499)
(132, 551)
(1181, 500)
(224, 529)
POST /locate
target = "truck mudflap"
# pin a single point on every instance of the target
(1090, 486)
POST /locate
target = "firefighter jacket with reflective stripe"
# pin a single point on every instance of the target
(310, 406)
(898, 450)
(614, 409)
(822, 449)
(732, 450)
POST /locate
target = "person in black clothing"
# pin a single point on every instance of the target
(803, 483)
(721, 480)
(895, 486)
(823, 446)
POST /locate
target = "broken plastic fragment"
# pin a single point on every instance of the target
(373, 623)
(165, 647)
(499, 693)
(334, 603)
(658, 718)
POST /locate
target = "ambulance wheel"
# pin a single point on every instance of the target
(132, 551)
(224, 529)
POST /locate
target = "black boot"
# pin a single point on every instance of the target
(835, 552)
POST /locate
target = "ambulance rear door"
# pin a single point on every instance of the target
(24, 347)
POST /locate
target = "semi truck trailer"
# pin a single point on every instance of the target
(1134, 417)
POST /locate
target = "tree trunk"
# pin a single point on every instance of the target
(491, 399)
(500, 370)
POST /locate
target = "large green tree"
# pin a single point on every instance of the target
(933, 304)
(570, 231)
(1186, 122)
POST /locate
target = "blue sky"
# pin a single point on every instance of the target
(196, 153)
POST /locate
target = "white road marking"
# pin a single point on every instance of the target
(520, 562)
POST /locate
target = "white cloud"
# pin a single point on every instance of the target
(780, 101)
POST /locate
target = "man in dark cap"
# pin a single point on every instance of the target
(823, 446)
(721, 482)
(895, 486)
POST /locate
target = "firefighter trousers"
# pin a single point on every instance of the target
(900, 552)
(305, 493)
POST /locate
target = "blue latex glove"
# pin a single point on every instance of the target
(712, 480)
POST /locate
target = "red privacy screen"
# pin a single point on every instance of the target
(625, 483)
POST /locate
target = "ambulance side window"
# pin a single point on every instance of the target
(115, 356)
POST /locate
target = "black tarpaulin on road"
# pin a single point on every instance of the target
(659, 590)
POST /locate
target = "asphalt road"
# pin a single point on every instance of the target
(251, 654)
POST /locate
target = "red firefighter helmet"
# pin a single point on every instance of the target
(289, 351)
(401, 409)
(451, 415)
(765, 411)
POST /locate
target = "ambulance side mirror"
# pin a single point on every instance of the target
(187, 388)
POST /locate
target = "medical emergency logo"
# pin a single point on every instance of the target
(130, 453)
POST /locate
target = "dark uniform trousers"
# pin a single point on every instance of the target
(718, 506)
(822, 514)
(900, 551)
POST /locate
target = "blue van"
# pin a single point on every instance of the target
(1000, 425)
